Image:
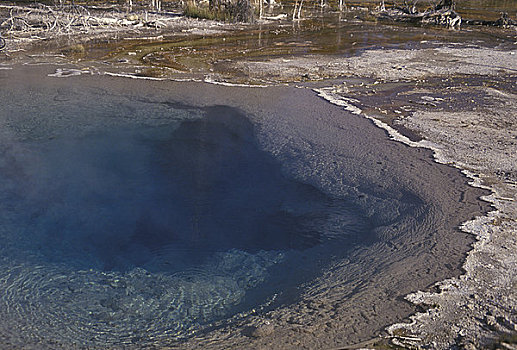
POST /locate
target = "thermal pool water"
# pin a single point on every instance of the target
(132, 216)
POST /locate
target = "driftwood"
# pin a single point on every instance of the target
(45, 18)
(442, 14)
(504, 22)
(42, 21)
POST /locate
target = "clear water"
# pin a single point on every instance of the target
(125, 222)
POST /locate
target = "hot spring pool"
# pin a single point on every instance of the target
(140, 218)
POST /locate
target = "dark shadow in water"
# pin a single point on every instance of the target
(120, 199)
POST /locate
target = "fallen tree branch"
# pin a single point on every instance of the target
(48, 22)
(504, 22)
(442, 14)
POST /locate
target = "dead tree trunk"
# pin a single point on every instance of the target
(156, 5)
(342, 5)
(300, 9)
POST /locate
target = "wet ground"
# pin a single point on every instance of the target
(393, 102)
(330, 35)
(323, 32)
(205, 49)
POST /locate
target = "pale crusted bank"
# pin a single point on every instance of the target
(471, 126)
(393, 64)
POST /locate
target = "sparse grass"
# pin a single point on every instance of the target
(74, 50)
(194, 10)
(231, 11)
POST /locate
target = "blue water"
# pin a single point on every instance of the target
(132, 232)
(117, 199)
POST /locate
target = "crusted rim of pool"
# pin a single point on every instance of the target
(297, 123)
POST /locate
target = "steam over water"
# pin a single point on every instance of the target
(127, 232)
(166, 198)
(132, 218)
